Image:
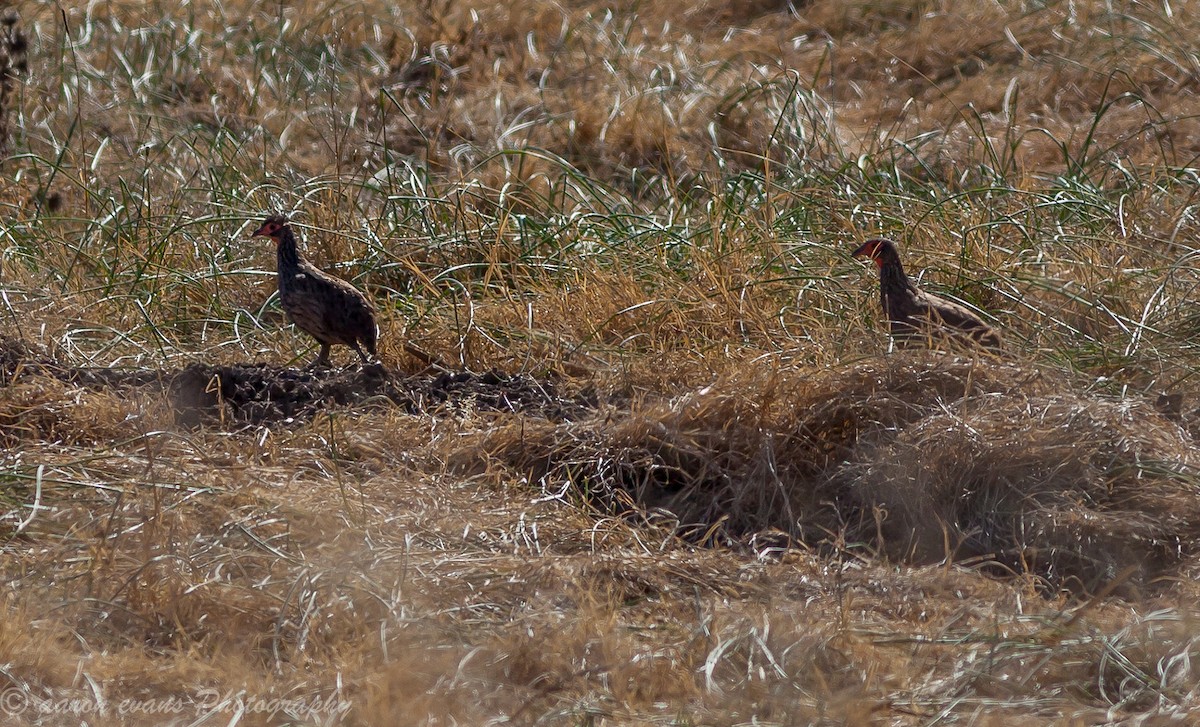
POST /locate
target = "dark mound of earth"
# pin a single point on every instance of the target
(259, 393)
(263, 394)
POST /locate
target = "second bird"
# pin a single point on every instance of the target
(914, 314)
(325, 307)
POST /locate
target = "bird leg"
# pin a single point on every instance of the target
(363, 356)
(322, 359)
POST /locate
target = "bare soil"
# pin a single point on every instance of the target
(257, 394)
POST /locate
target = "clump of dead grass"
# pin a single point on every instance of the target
(41, 408)
(1069, 487)
(921, 456)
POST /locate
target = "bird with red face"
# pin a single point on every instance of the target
(915, 316)
(325, 307)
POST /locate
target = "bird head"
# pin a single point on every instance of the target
(880, 249)
(271, 227)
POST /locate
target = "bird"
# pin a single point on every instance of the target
(325, 307)
(914, 315)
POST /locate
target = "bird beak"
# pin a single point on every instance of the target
(868, 249)
(261, 232)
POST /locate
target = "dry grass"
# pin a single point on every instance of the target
(922, 458)
(762, 515)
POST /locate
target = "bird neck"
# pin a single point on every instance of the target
(891, 272)
(893, 281)
(289, 254)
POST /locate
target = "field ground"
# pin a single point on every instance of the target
(674, 474)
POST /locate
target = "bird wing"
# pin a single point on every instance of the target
(953, 315)
(950, 313)
(346, 307)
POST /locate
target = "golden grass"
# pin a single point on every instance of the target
(763, 516)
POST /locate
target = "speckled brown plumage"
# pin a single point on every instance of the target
(914, 315)
(327, 308)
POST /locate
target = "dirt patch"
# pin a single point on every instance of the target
(261, 394)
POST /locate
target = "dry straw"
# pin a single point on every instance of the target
(920, 456)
